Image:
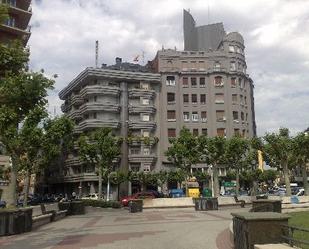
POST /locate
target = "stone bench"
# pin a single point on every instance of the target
(39, 218)
(272, 246)
(54, 210)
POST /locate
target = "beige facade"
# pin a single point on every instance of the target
(206, 90)
(16, 27)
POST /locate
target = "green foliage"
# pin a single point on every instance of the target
(236, 151)
(177, 176)
(100, 148)
(183, 151)
(201, 176)
(3, 12)
(102, 204)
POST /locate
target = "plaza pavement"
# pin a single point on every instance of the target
(119, 229)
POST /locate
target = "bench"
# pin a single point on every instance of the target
(39, 218)
(242, 202)
(54, 210)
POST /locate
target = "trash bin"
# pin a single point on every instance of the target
(175, 193)
(136, 206)
(207, 192)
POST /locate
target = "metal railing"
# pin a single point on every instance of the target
(289, 236)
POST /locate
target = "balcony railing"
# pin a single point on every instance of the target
(142, 125)
(142, 109)
(97, 123)
(95, 106)
(99, 90)
(140, 92)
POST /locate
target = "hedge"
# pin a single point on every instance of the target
(102, 204)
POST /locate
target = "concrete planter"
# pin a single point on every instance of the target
(15, 221)
(136, 206)
(266, 206)
(73, 207)
(203, 204)
(250, 228)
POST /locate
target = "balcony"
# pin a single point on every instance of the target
(77, 100)
(96, 123)
(95, 106)
(23, 15)
(74, 161)
(16, 31)
(65, 107)
(141, 109)
(150, 125)
(75, 114)
(139, 158)
(81, 177)
(139, 92)
(99, 90)
(137, 140)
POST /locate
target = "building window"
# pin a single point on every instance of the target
(193, 82)
(170, 81)
(233, 66)
(204, 116)
(145, 86)
(220, 116)
(184, 65)
(186, 116)
(95, 115)
(201, 65)
(235, 116)
(145, 134)
(219, 98)
(244, 133)
(146, 168)
(218, 81)
(238, 50)
(145, 117)
(170, 97)
(245, 98)
(185, 81)
(231, 48)
(246, 116)
(194, 116)
(134, 151)
(146, 151)
(95, 98)
(195, 132)
(241, 99)
(217, 66)
(236, 132)
(10, 21)
(186, 98)
(239, 67)
(240, 83)
(194, 98)
(145, 101)
(171, 132)
(171, 115)
(234, 98)
(202, 82)
(221, 132)
(233, 82)
(204, 132)
(242, 115)
(135, 167)
(203, 99)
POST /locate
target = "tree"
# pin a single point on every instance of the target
(100, 148)
(236, 152)
(213, 153)
(301, 155)
(3, 12)
(278, 151)
(42, 144)
(21, 91)
(183, 152)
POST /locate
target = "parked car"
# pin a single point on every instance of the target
(300, 192)
(140, 195)
(93, 196)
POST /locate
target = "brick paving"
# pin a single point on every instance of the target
(119, 229)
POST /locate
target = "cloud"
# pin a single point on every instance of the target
(275, 33)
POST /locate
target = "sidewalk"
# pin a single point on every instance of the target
(114, 229)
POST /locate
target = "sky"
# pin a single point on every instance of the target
(276, 34)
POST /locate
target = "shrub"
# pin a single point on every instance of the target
(102, 203)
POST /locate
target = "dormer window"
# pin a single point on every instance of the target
(233, 66)
(231, 48)
(217, 66)
(170, 81)
(218, 81)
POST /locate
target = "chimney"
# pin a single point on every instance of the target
(118, 60)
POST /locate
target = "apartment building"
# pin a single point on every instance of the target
(205, 88)
(16, 26)
(124, 97)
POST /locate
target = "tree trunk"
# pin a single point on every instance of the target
(11, 197)
(305, 179)
(26, 186)
(107, 189)
(286, 178)
(100, 184)
(216, 181)
(237, 182)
